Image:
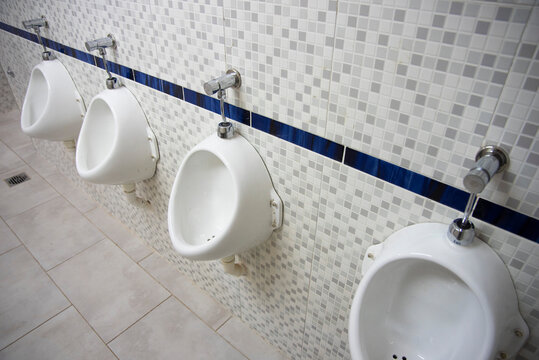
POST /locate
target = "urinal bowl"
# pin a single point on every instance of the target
(53, 108)
(423, 297)
(221, 200)
(116, 146)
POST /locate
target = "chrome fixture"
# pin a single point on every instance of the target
(36, 25)
(100, 45)
(490, 160)
(232, 78)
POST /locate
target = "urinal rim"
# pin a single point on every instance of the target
(96, 169)
(47, 101)
(179, 243)
(355, 328)
(385, 258)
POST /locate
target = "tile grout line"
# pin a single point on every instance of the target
(223, 324)
(36, 327)
(13, 248)
(65, 296)
(174, 296)
(138, 320)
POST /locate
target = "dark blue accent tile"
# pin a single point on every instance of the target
(201, 100)
(240, 115)
(212, 104)
(172, 89)
(507, 219)
(115, 68)
(84, 56)
(407, 179)
(121, 70)
(299, 137)
(148, 80)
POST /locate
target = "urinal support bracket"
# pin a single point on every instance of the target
(276, 205)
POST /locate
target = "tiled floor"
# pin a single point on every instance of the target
(76, 284)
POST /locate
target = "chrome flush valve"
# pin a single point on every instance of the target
(490, 160)
(100, 45)
(232, 78)
(36, 25)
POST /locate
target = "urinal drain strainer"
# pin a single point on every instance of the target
(17, 179)
(396, 357)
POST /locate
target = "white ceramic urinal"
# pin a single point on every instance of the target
(222, 200)
(53, 108)
(424, 297)
(116, 145)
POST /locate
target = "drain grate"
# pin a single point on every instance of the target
(17, 179)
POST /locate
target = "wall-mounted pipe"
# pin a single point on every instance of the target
(232, 267)
(132, 198)
(490, 160)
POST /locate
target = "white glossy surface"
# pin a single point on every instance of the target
(424, 297)
(116, 145)
(52, 108)
(220, 200)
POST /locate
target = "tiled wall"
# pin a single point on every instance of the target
(419, 84)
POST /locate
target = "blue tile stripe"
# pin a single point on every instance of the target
(485, 210)
(299, 137)
(497, 215)
(172, 89)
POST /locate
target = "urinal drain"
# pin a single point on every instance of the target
(208, 239)
(17, 179)
(396, 357)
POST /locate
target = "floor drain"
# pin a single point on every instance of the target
(17, 179)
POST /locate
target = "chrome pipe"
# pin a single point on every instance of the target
(36, 25)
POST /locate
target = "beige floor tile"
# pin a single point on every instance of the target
(121, 235)
(41, 165)
(74, 195)
(25, 151)
(27, 297)
(202, 304)
(8, 159)
(248, 341)
(64, 337)
(8, 240)
(17, 199)
(108, 288)
(171, 331)
(12, 135)
(54, 231)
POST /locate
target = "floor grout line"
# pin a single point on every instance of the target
(142, 317)
(78, 253)
(37, 326)
(223, 324)
(13, 248)
(147, 256)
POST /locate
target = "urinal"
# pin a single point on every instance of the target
(222, 200)
(116, 145)
(424, 297)
(53, 108)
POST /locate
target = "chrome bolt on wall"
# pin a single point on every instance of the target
(490, 160)
(100, 45)
(36, 25)
(232, 78)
